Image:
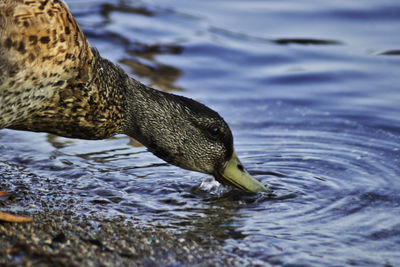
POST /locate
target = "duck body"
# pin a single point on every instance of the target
(52, 81)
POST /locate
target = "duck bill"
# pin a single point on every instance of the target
(234, 174)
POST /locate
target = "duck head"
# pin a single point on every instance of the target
(186, 133)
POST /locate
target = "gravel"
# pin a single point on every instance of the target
(62, 235)
(54, 239)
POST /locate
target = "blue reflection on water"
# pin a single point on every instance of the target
(314, 106)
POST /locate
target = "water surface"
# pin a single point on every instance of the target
(311, 92)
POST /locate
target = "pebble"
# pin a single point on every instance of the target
(54, 240)
(60, 236)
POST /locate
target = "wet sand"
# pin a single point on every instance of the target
(68, 238)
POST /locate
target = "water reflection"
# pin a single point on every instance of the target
(318, 123)
(391, 52)
(159, 75)
(124, 7)
(281, 41)
(139, 56)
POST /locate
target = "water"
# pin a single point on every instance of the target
(311, 92)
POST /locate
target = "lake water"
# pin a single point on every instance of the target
(311, 90)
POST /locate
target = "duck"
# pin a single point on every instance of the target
(53, 81)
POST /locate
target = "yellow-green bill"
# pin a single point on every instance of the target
(234, 174)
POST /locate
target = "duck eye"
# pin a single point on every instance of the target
(214, 130)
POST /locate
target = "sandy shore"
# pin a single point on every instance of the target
(55, 239)
(61, 235)
(58, 236)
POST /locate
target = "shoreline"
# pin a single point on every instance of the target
(69, 240)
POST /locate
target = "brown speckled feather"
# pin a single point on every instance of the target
(49, 75)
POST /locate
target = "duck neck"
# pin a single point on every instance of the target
(160, 121)
(148, 112)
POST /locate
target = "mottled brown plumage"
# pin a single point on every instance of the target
(51, 80)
